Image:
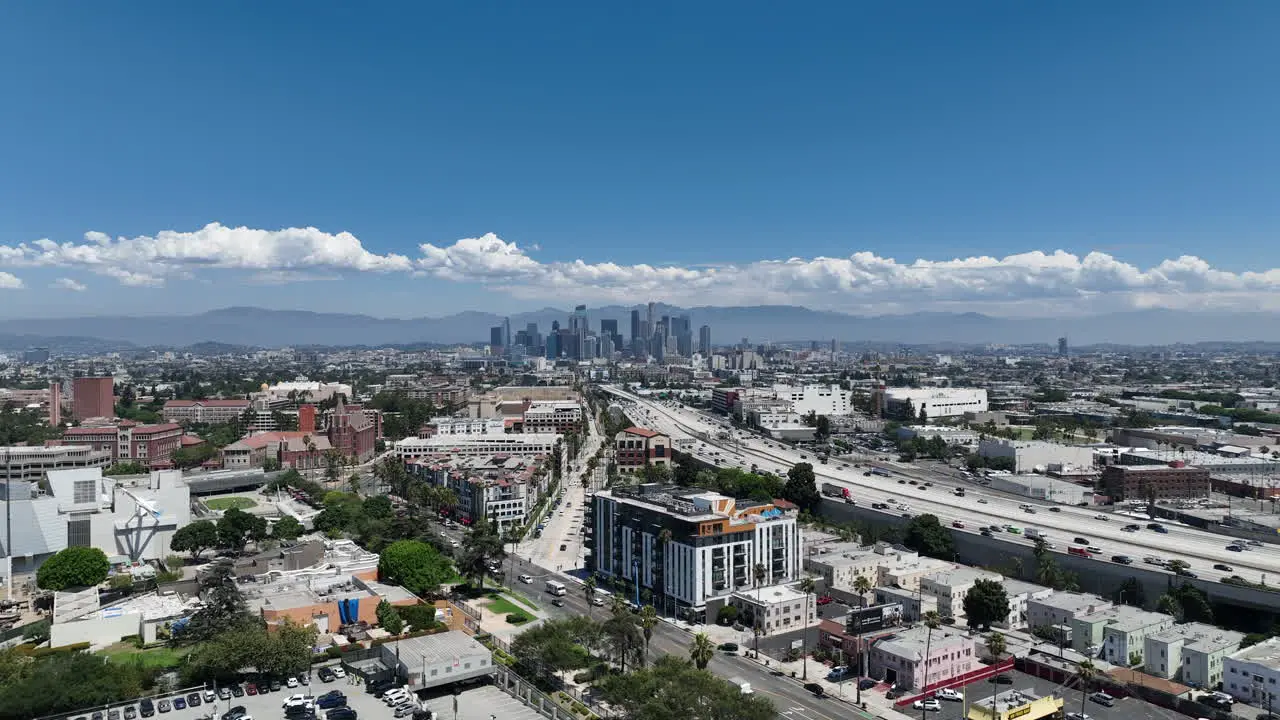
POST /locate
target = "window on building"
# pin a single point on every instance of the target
(78, 533)
(83, 492)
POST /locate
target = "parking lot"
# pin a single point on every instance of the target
(1124, 709)
(475, 703)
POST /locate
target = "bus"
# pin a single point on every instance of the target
(556, 587)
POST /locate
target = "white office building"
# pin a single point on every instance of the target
(819, 399)
(528, 444)
(1036, 455)
(938, 402)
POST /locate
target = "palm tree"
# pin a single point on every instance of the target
(806, 586)
(1085, 671)
(648, 619)
(589, 590)
(701, 651)
(995, 647)
(862, 586)
(931, 621)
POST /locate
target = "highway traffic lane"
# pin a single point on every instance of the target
(1208, 547)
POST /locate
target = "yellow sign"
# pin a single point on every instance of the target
(1019, 712)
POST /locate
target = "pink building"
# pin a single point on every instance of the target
(93, 397)
(900, 658)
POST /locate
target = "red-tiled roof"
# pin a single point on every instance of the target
(192, 440)
(642, 432)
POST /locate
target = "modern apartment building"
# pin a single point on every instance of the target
(553, 416)
(501, 489)
(917, 659)
(93, 397)
(127, 441)
(465, 426)
(637, 448)
(1191, 653)
(31, 464)
(1143, 482)
(1253, 674)
(687, 546)
(186, 412)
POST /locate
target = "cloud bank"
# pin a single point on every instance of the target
(1028, 283)
(69, 284)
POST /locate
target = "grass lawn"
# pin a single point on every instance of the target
(227, 503)
(157, 657)
(500, 605)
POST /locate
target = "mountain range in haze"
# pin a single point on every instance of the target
(249, 326)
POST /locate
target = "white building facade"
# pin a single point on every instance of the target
(939, 402)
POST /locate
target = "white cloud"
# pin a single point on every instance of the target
(1030, 283)
(147, 260)
(69, 284)
(10, 282)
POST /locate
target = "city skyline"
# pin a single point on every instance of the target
(994, 158)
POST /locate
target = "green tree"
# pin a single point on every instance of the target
(986, 603)
(996, 646)
(932, 622)
(195, 538)
(1169, 605)
(480, 548)
(806, 586)
(378, 507)
(74, 567)
(236, 528)
(287, 528)
(63, 683)
(802, 487)
(701, 650)
(223, 610)
(415, 565)
(1131, 592)
(675, 688)
(928, 537)
(623, 634)
(125, 468)
(389, 618)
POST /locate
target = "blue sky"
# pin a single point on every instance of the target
(676, 149)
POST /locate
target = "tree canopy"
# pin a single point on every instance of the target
(415, 565)
(73, 567)
(389, 619)
(63, 682)
(675, 688)
(285, 649)
(223, 611)
(195, 538)
(287, 528)
(986, 603)
(928, 537)
(802, 487)
(236, 528)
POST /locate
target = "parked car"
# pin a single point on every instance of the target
(1078, 716)
(224, 693)
(929, 704)
(342, 713)
(326, 675)
(291, 682)
(237, 691)
(210, 695)
(251, 688)
(815, 688)
(1002, 679)
(405, 709)
(193, 700)
(275, 685)
(949, 695)
(179, 703)
(866, 684)
(146, 707)
(1102, 698)
(130, 712)
(163, 706)
(331, 700)
(824, 599)
(729, 647)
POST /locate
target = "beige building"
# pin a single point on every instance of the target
(780, 608)
(30, 464)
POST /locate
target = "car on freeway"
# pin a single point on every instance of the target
(929, 704)
(1055, 509)
(1153, 560)
(1122, 559)
(1130, 528)
(957, 524)
(982, 501)
(1102, 517)
(1093, 550)
(1081, 541)
(1235, 548)
(1223, 567)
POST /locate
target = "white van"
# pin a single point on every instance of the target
(526, 579)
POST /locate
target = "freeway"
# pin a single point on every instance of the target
(975, 510)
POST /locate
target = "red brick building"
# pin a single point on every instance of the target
(638, 447)
(351, 432)
(93, 397)
(1159, 482)
(149, 445)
